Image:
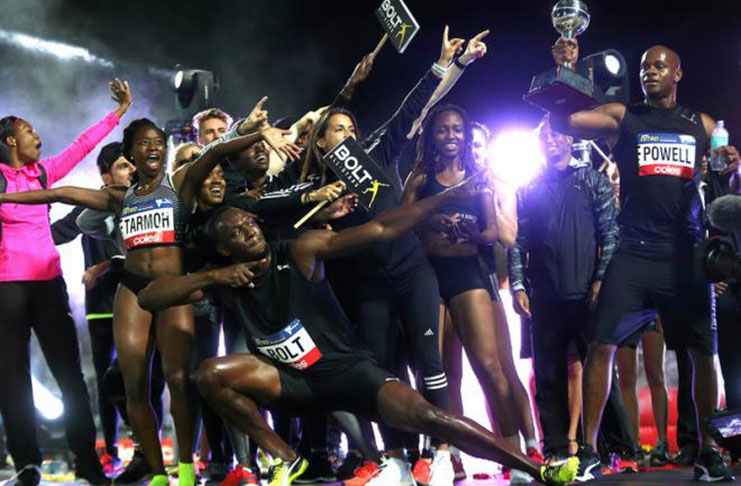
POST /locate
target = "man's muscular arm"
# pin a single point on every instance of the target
(602, 121)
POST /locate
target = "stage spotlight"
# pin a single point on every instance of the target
(609, 72)
(515, 156)
(194, 90)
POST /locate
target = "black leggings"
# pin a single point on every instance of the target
(411, 298)
(42, 306)
(104, 351)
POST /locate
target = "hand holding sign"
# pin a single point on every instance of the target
(360, 74)
(449, 48)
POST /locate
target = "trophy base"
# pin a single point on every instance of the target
(562, 91)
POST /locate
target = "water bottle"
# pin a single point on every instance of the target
(718, 138)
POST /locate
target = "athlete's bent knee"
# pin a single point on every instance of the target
(206, 378)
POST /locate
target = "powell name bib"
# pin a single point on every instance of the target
(148, 223)
(668, 154)
(292, 346)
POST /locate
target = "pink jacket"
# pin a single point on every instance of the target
(27, 250)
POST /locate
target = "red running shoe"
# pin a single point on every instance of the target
(363, 474)
(111, 465)
(535, 455)
(240, 476)
(422, 471)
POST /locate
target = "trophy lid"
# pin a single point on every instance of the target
(570, 18)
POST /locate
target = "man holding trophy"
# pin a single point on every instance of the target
(659, 146)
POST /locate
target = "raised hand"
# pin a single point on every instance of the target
(256, 120)
(475, 49)
(274, 137)
(565, 51)
(731, 157)
(449, 48)
(360, 74)
(121, 94)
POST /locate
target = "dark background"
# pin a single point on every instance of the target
(300, 52)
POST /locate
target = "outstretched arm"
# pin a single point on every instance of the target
(166, 292)
(108, 199)
(322, 245)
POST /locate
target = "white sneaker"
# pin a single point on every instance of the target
(394, 472)
(519, 477)
(441, 470)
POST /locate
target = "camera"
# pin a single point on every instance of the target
(717, 260)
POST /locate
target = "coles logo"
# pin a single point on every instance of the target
(666, 154)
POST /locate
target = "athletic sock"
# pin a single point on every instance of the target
(159, 480)
(532, 443)
(186, 474)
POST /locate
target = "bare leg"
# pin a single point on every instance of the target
(233, 386)
(403, 408)
(627, 363)
(473, 318)
(654, 350)
(596, 386)
(131, 333)
(174, 331)
(705, 391)
(452, 350)
(519, 394)
(575, 377)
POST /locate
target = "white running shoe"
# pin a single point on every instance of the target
(519, 477)
(441, 470)
(394, 472)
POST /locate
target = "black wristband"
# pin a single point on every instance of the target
(459, 64)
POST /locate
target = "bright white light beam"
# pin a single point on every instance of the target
(59, 50)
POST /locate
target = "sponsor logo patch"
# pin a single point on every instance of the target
(668, 154)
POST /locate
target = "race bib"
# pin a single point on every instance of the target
(292, 346)
(669, 154)
(148, 223)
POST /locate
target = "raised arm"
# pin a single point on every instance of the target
(388, 140)
(602, 121)
(475, 49)
(102, 200)
(189, 177)
(59, 165)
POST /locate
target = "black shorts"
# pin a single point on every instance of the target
(635, 338)
(636, 287)
(456, 275)
(352, 388)
(135, 283)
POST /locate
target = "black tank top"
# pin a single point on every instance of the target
(469, 208)
(297, 324)
(659, 155)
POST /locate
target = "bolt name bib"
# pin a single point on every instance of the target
(292, 346)
(668, 154)
(148, 223)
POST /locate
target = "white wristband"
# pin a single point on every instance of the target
(438, 70)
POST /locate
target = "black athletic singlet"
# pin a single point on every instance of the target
(296, 323)
(156, 219)
(659, 155)
(468, 208)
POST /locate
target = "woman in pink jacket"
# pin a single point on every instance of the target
(33, 296)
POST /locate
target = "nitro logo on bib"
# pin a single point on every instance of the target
(148, 223)
(668, 154)
(292, 346)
